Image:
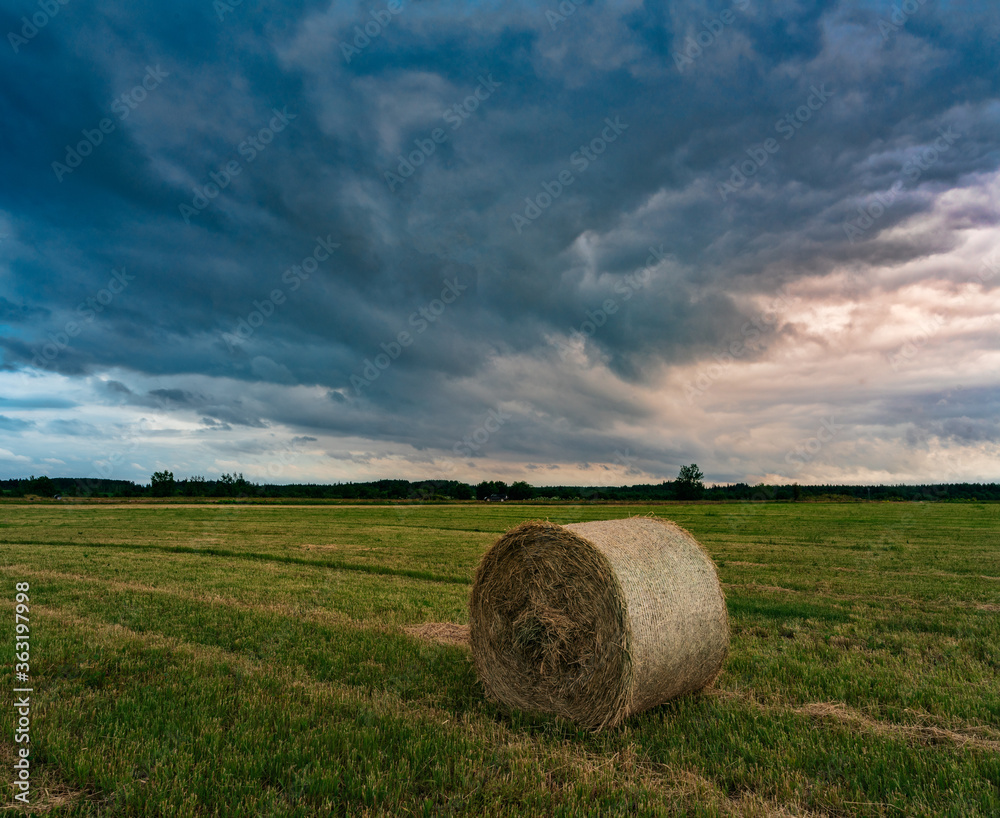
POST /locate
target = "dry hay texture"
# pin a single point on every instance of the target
(596, 621)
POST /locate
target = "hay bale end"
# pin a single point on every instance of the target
(596, 621)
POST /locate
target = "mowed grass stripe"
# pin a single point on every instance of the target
(177, 729)
(863, 536)
(270, 604)
(379, 599)
(211, 551)
(793, 663)
(223, 733)
(364, 657)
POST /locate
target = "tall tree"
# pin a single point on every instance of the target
(520, 490)
(42, 486)
(688, 484)
(162, 484)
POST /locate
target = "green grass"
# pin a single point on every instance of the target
(248, 660)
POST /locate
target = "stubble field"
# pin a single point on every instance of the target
(261, 660)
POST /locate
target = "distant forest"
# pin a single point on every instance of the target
(235, 486)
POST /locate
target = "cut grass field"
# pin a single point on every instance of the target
(248, 660)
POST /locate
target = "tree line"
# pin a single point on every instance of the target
(688, 486)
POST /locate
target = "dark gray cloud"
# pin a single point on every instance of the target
(742, 161)
(14, 424)
(12, 313)
(73, 428)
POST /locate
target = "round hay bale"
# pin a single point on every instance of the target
(596, 621)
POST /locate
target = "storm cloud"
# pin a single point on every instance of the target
(337, 236)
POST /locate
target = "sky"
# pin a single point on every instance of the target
(567, 243)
